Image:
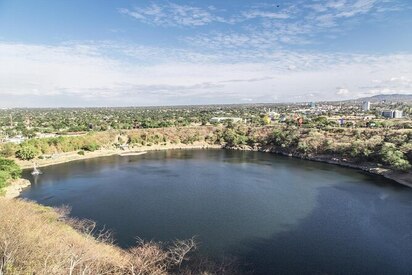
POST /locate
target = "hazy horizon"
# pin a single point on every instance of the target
(153, 53)
(184, 105)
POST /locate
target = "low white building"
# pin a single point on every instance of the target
(46, 135)
(222, 119)
(17, 139)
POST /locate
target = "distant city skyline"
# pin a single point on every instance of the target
(141, 53)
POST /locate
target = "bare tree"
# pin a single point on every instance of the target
(179, 250)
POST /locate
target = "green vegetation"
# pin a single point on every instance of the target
(8, 170)
(357, 145)
(27, 152)
(336, 129)
(8, 150)
(32, 122)
(394, 157)
(33, 148)
(91, 147)
(389, 147)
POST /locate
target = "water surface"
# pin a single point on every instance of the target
(277, 214)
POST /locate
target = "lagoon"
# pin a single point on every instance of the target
(274, 214)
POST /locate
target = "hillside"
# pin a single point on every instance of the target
(36, 239)
(387, 97)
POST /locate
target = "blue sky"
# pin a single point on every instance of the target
(134, 53)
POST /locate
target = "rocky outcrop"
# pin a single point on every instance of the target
(14, 189)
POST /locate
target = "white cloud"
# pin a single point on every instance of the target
(273, 26)
(396, 84)
(357, 7)
(264, 14)
(172, 15)
(293, 24)
(86, 74)
(342, 91)
(346, 8)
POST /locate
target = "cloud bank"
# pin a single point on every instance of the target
(255, 53)
(86, 73)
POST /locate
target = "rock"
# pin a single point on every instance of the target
(15, 188)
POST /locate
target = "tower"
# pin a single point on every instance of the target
(366, 106)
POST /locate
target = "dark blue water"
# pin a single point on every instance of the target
(275, 214)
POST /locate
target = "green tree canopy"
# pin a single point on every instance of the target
(27, 152)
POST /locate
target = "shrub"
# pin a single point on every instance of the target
(8, 170)
(27, 152)
(303, 147)
(359, 149)
(233, 138)
(8, 150)
(394, 157)
(10, 167)
(287, 138)
(93, 146)
(81, 153)
(4, 177)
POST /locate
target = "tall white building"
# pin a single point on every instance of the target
(366, 106)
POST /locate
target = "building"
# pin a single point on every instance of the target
(273, 115)
(46, 135)
(366, 106)
(392, 114)
(282, 118)
(397, 114)
(387, 114)
(222, 119)
(17, 139)
(341, 121)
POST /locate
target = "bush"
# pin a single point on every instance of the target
(81, 153)
(287, 138)
(8, 170)
(4, 177)
(8, 150)
(27, 152)
(359, 149)
(393, 157)
(11, 167)
(234, 138)
(91, 147)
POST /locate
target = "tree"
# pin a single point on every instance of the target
(11, 167)
(394, 157)
(8, 170)
(92, 146)
(234, 138)
(8, 150)
(26, 152)
(266, 120)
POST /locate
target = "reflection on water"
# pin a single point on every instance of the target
(277, 214)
